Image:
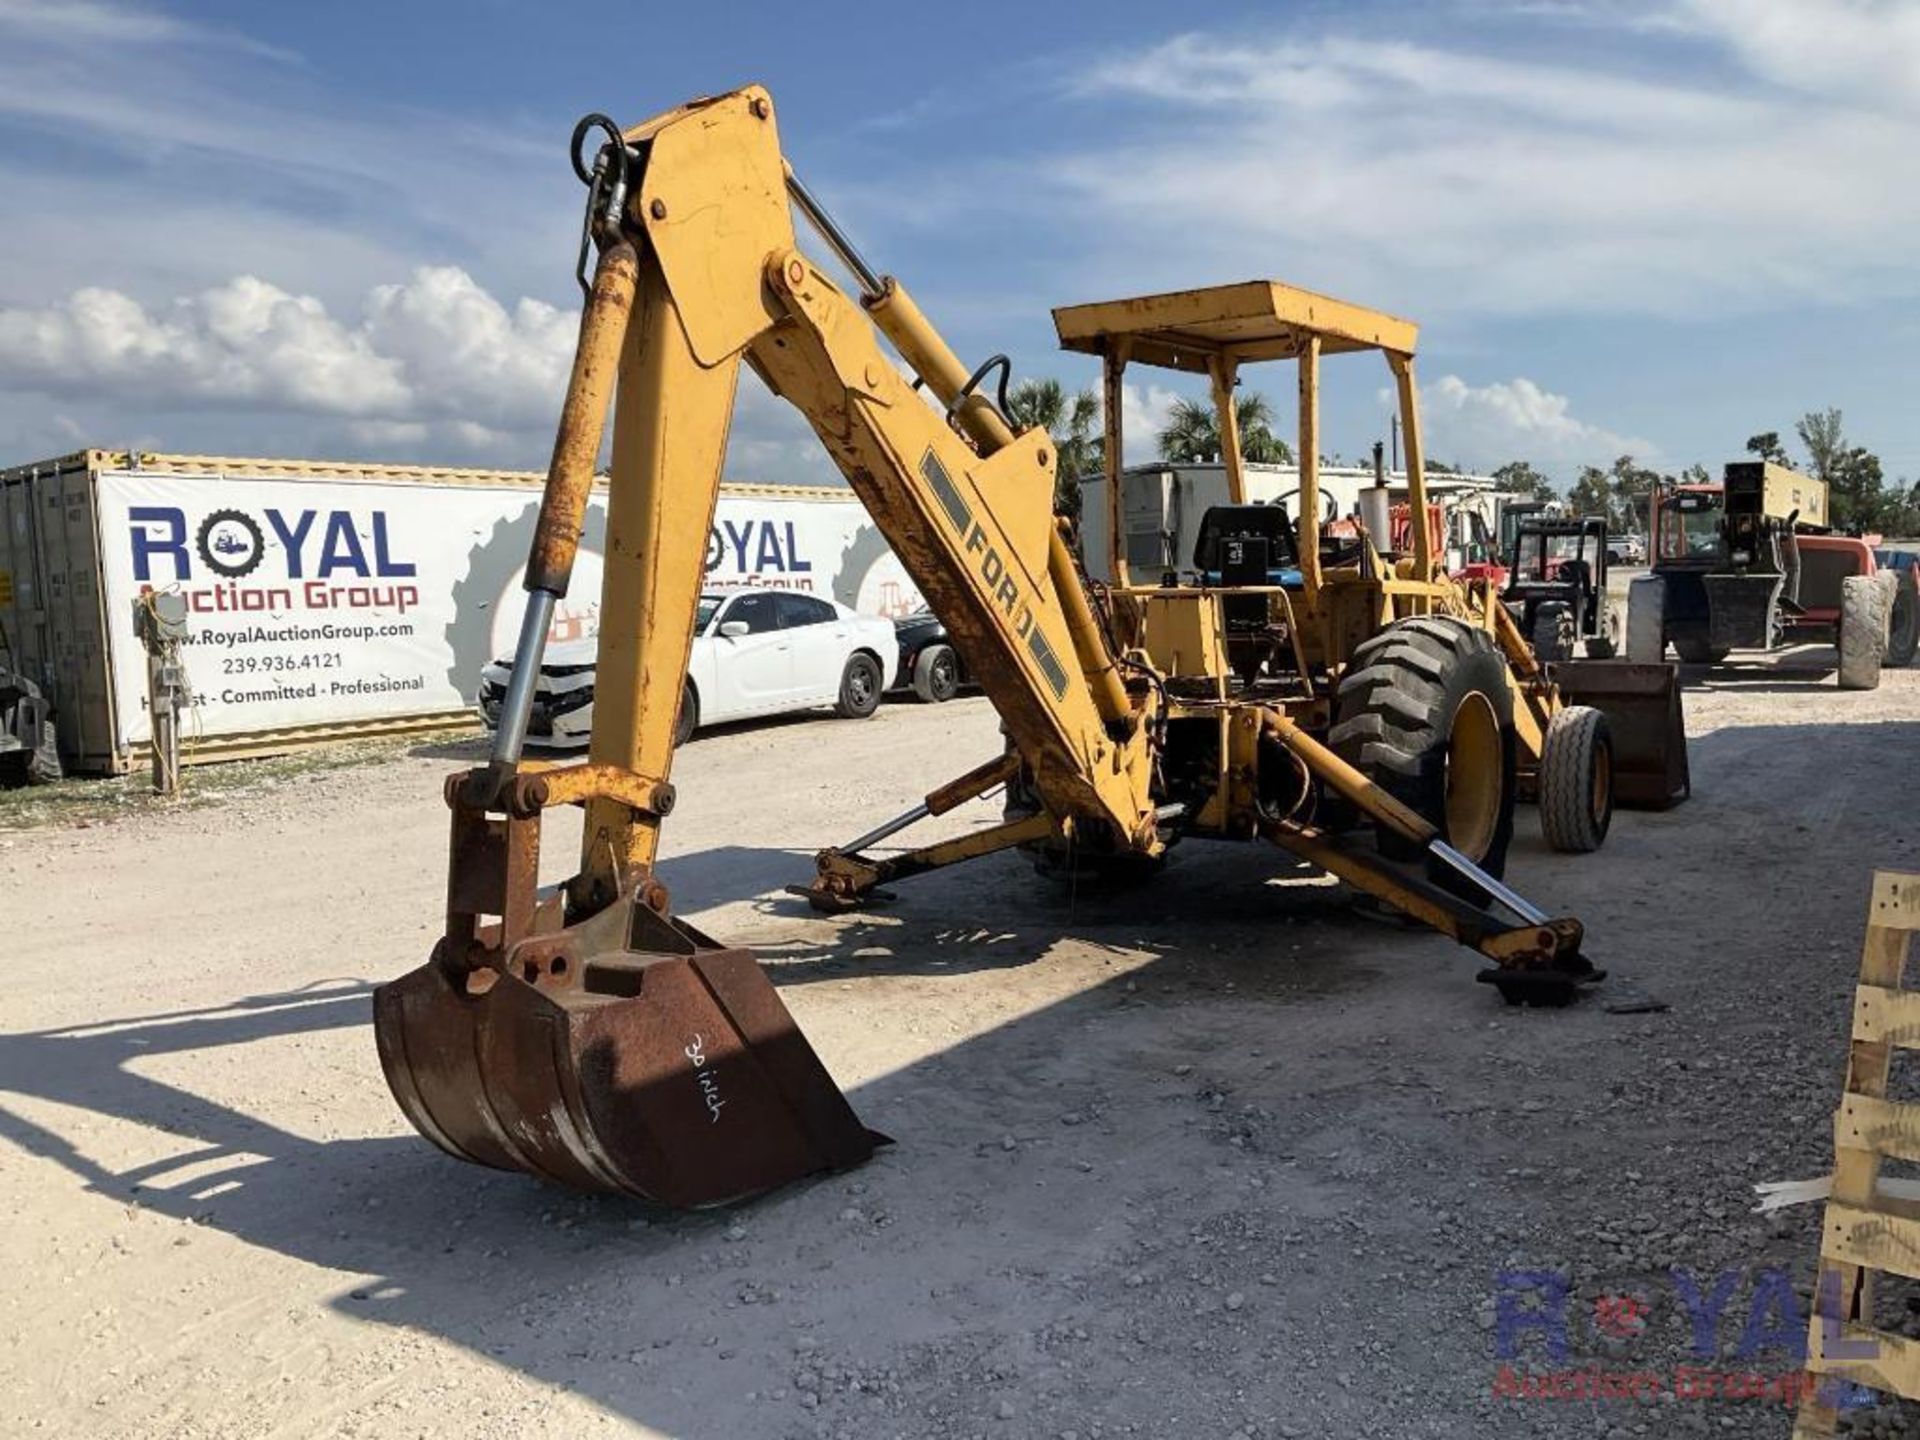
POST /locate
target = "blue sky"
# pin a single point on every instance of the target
(1653, 226)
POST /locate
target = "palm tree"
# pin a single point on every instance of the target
(1192, 435)
(1072, 423)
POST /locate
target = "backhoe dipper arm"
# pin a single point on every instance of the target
(966, 505)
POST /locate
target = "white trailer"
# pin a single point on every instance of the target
(1161, 506)
(334, 599)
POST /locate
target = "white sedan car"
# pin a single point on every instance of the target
(755, 652)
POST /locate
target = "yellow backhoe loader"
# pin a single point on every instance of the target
(1354, 707)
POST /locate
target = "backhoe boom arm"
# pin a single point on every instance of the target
(965, 504)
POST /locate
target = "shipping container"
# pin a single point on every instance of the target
(328, 600)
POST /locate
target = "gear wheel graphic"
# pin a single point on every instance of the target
(867, 548)
(493, 566)
(203, 542)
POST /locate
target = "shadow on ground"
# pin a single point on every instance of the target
(441, 1240)
(1350, 1015)
(473, 749)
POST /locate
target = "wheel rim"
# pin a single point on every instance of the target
(1602, 799)
(859, 685)
(944, 679)
(1475, 777)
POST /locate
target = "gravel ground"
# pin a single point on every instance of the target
(1216, 1157)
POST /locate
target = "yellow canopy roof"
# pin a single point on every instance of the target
(1255, 320)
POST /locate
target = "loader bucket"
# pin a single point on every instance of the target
(626, 1053)
(1642, 706)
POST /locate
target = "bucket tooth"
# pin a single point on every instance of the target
(627, 1053)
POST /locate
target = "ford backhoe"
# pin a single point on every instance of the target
(1364, 712)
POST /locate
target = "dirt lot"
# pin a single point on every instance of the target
(1217, 1157)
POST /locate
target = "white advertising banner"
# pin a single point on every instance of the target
(317, 602)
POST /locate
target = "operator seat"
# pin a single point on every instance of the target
(1240, 546)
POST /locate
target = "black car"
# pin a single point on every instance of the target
(929, 665)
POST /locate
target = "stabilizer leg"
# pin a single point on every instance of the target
(1537, 959)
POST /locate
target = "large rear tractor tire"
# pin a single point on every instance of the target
(1647, 620)
(1426, 713)
(1864, 613)
(1073, 865)
(1553, 635)
(1903, 638)
(1576, 780)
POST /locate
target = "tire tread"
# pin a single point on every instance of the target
(1566, 775)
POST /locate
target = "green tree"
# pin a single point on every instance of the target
(1072, 422)
(1820, 432)
(1192, 435)
(1632, 486)
(1856, 485)
(1517, 477)
(1592, 493)
(1900, 512)
(1857, 494)
(1767, 446)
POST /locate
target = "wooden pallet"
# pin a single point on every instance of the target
(1867, 1231)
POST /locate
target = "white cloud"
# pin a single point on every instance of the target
(245, 342)
(1143, 415)
(1860, 51)
(437, 346)
(1144, 409)
(1462, 181)
(1481, 426)
(510, 366)
(435, 366)
(98, 24)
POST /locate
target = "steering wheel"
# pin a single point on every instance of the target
(1331, 503)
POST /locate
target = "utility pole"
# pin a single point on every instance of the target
(161, 623)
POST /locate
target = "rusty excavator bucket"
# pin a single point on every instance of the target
(628, 1052)
(590, 1037)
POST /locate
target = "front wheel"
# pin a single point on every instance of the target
(936, 674)
(1553, 635)
(1576, 780)
(1903, 637)
(859, 688)
(1695, 648)
(1863, 631)
(688, 719)
(1606, 639)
